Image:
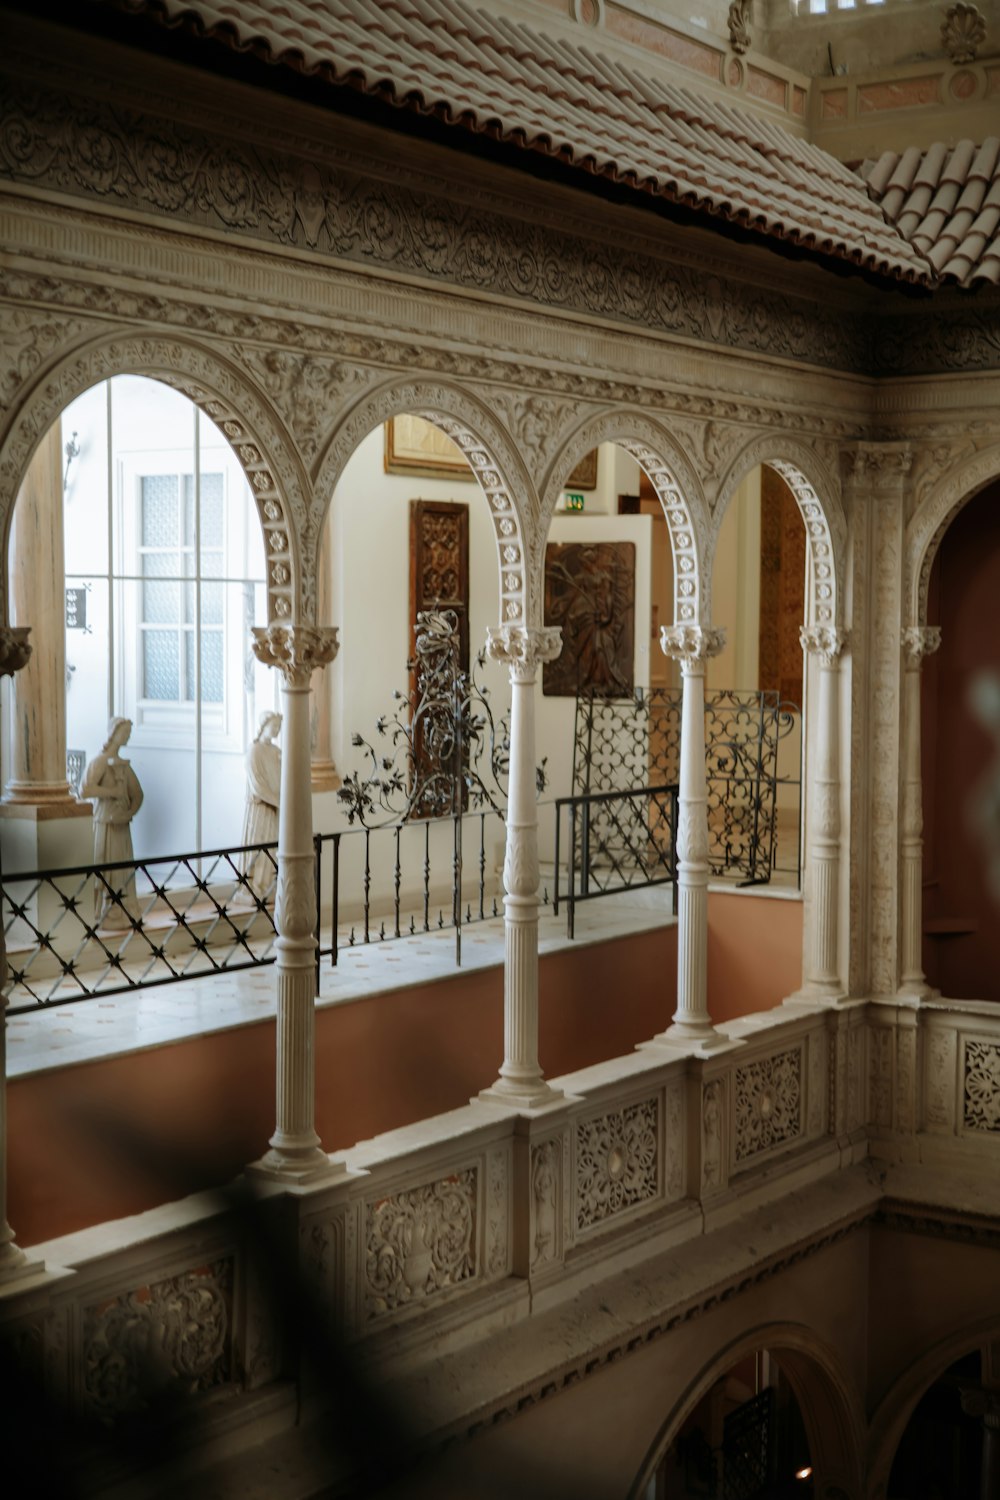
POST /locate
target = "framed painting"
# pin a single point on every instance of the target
(416, 447)
(590, 593)
(584, 476)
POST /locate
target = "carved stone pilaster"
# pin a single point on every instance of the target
(296, 650)
(692, 645)
(918, 641)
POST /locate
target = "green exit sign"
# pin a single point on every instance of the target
(574, 502)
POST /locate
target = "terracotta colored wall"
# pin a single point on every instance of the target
(962, 920)
(101, 1140)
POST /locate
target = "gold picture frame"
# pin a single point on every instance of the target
(416, 447)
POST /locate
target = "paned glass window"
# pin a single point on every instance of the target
(174, 559)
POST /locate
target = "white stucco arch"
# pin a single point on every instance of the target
(831, 1408)
(492, 456)
(926, 528)
(675, 480)
(817, 493)
(226, 395)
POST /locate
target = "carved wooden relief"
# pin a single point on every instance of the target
(439, 579)
(590, 593)
(782, 588)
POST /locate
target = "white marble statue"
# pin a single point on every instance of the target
(110, 783)
(260, 820)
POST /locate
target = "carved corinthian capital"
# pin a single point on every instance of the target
(691, 643)
(14, 648)
(920, 641)
(522, 647)
(296, 650)
(824, 641)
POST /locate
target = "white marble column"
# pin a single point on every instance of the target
(14, 652)
(820, 958)
(296, 651)
(692, 645)
(918, 641)
(325, 776)
(520, 1082)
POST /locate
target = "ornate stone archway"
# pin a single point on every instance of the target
(831, 1411)
(931, 520)
(817, 493)
(226, 395)
(673, 477)
(492, 456)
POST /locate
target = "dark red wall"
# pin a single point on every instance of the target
(961, 915)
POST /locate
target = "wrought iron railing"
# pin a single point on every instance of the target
(628, 742)
(105, 929)
(617, 841)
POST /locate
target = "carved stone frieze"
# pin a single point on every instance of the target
(617, 1162)
(768, 1097)
(89, 149)
(420, 1242)
(981, 1086)
(937, 341)
(172, 1337)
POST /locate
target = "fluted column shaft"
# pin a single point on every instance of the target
(14, 652)
(820, 960)
(692, 645)
(325, 777)
(296, 651)
(520, 1081)
(918, 642)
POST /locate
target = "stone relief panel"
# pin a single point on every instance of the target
(981, 1086)
(906, 1076)
(675, 1143)
(498, 1189)
(940, 1079)
(855, 1075)
(321, 1255)
(168, 1338)
(310, 393)
(545, 1203)
(938, 507)
(817, 1051)
(713, 1166)
(880, 1079)
(768, 1110)
(617, 1163)
(420, 1242)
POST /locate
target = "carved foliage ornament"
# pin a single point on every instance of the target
(768, 1103)
(824, 641)
(544, 1202)
(982, 1086)
(420, 1242)
(296, 650)
(689, 644)
(920, 641)
(523, 647)
(963, 32)
(617, 1163)
(171, 1337)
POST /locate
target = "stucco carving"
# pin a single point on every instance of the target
(545, 1191)
(768, 1103)
(981, 1086)
(492, 456)
(238, 409)
(936, 513)
(941, 1053)
(617, 1162)
(497, 1214)
(674, 479)
(172, 1336)
(880, 1080)
(308, 391)
(296, 650)
(523, 648)
(420, 1242)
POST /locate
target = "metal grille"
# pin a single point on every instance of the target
(628, 742)
(747, 1449)
(618, 841)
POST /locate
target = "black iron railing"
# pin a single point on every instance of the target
(628, 742)
(617, 841)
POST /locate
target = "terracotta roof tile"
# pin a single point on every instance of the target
(488, 73)
(947, 204)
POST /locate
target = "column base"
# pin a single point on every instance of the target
(324, 776)
(519, 1096)
(17, 1264)
(916, 994)
(306, 1166)
(817, 998)
(689, 1038)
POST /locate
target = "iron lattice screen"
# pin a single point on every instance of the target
(747, 1469)
(629, 742)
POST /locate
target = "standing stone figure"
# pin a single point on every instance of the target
(260, 820)
(110, 783)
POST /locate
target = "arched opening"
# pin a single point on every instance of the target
(960, 726)
(946, 1441)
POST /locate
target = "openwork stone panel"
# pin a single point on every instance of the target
(981, 1086)
(168, 1338)
(617, 1162)
(420, 1242)
(768, 1097)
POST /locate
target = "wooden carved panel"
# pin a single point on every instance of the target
(590, 592)
(439, 579)
(782, 588)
